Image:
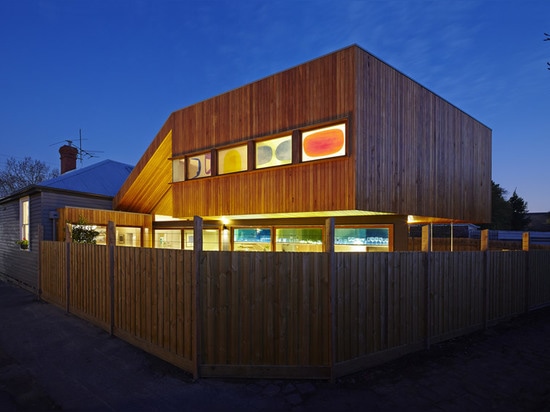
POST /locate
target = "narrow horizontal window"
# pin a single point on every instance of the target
(299, 240)
(199, 165)
(324, 143)
(252, 240)
(233, 159)
(362, 239)
(274, 152)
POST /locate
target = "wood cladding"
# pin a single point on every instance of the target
(417, 154)
(101, 217)
(150, 179)
(317, 92)
(409, 152)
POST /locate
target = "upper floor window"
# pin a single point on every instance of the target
(234, 159)
(199, 165)
(274, 152)
(265, 152)
(178, 170)
(324, 143)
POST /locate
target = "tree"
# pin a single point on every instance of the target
(511, 214)
(18, 174)
(547, 39)
(519, 218)
(83, 233)
(500, 208)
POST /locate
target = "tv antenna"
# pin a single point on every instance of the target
(82, 153)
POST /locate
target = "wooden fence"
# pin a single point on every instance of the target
(292, 315)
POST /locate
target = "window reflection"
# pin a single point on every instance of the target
(252, 239)
(299, 240)
(354, 239)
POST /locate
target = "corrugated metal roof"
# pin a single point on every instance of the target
(103, 178)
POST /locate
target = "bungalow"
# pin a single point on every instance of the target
(36, 206)
(344, 136)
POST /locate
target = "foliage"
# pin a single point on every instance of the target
(500, 208)
(83, 233)
(547, 39)
(519, 218)
(23, 243)
(18, 174)
(511, 214)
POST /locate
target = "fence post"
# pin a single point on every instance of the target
(329, 248)
(68, 239)
(197, 318)
(525, 243)
(39, 280)
(484, 240)
(484, 247)
(428, 301)
(111, 242)
(485, 302)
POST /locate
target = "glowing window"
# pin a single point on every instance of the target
(210, 239)
(199, 166)
(274, 152)
(324, 143)
(128, 236)
(24, 218)
(252, 239)
(362, 239)
(234, 159)
(168, 238)
(299, 240)
(178, 170)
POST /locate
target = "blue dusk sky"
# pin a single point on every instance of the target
(116, 69)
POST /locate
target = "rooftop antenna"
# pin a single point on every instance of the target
(85, 153)
(88, 154)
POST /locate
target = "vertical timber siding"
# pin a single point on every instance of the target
(417, 153)
(317, 92)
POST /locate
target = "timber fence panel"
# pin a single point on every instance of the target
(90, 287)
(53, 258)
(539, 278)
(506, 284)
(456, 285)
(264, 314)
(152, 309)
(405, 299)
(380, 307)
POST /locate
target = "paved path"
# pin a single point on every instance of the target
(53, 361)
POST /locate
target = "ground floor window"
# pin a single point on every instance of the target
(362, 239)
(183, 239)
(252, 239)
(210, 239)
(168, 239)
(347, 238)
(128, 236)
(125, 236)
(299, 240)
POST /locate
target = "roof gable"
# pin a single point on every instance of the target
(103, 178)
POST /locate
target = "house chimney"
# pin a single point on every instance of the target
(68, 158)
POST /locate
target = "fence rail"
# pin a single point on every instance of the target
(269, 314)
